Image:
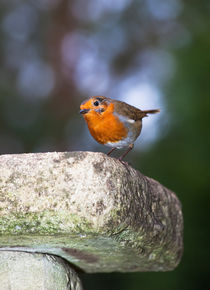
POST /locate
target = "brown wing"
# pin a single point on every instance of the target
(128, 111)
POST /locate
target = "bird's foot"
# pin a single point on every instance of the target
(124, 162)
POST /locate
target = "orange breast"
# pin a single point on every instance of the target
(106, 127)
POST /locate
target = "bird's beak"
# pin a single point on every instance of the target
(84, 111)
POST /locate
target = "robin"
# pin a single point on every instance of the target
(113, 123)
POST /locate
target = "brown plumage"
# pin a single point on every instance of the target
(113, 123)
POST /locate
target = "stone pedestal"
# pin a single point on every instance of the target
(87, 208)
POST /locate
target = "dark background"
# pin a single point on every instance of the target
(149, 53)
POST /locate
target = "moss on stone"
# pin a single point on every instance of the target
(43, 223)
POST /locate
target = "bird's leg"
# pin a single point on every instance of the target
(130, 147)
(111, 151)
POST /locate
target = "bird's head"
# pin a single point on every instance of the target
(94, 107)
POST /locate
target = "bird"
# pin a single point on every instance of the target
(113, 123)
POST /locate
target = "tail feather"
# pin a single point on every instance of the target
(151, 111)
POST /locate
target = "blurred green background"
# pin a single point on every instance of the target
(149, 53)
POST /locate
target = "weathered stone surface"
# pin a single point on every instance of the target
(91, 210)
(24, 271)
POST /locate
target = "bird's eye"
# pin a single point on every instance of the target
(96, 103)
